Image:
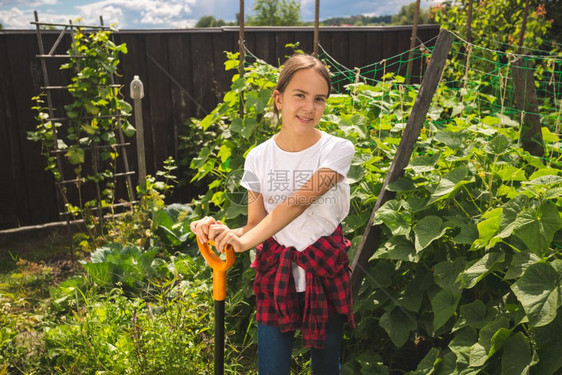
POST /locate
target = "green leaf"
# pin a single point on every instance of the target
(491, 121)
(490, 338)
(91, 109)
(516, 358)
(396, 219)
(234, 210)
(231, 64)
(544, 172)
(248, 128)
(537, 226)
(75, 155)
(451, 139)
(425, 163)
(402, 184)
(510, 173)
(224, 152)
(382, 274)
(128, 129)
(461, 345)
(549, 346)
(238, 85)
(450, 183)
(207, 121)
(547, 180)
(428, 230)
(499, 339)
(538, 290)
(479, 268)
(498, 145)
(199, 161)
(237, 126)
(444, 304)
(446, 365)
(467, 235)
(397, 248)
(519, 264)
(549, 136)
(473, 314)
(398, 326)
(509, 215)
(489, 227)
(445, 273)
(412, 298)
(99, 272)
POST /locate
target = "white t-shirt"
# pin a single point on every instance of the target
(277, 174)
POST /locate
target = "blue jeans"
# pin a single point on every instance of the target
(275, 348)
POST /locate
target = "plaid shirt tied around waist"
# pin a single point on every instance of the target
(328, 286)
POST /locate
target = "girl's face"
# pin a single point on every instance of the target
(302, 102)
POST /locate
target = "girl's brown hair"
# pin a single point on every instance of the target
(296, 63)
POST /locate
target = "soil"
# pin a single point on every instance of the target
(51, 247)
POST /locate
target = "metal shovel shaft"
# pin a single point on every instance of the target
(219, 294)
(219, 337)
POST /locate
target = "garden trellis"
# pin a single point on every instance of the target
(86, 140)
(506, 83)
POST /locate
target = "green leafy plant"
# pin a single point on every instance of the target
(96, 117)
(472, 208)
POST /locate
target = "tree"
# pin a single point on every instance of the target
(275, 13)
(554, 12)
(497, 24)
(406, 15)
(209, 21)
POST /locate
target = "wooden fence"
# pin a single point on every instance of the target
(183, 75)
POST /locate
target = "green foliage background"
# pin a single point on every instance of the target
(467, 279)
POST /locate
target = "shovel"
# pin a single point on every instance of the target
(219, 294)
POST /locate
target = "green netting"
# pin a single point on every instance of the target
(486, 71)
(472, 66)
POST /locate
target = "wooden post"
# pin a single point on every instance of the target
(316, 27)
(469, 22)
(530, 135)
(523, 27)
(242, 52)
(469, 40)
(137, 93)
(413, 41)
(370, 241)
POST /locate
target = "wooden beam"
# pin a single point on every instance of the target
(469, 22)
(242, 50)
(371, 237)
(316, 27)
(523, 27)
(413, 41)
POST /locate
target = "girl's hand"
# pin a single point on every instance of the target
(229, 237)
(216, 229)
(201, 228)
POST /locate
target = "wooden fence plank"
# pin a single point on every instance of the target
(9, 193)
(31, 194)
(157, 90)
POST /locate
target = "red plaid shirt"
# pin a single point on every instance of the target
(328, 287)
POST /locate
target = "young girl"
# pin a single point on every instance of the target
(297, 199)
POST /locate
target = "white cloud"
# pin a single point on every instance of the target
(149, 12)
(39, 3)
(14, 19)
(26, 3)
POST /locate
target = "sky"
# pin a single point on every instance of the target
(171, 14)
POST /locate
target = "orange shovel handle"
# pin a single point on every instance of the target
(219, 267)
